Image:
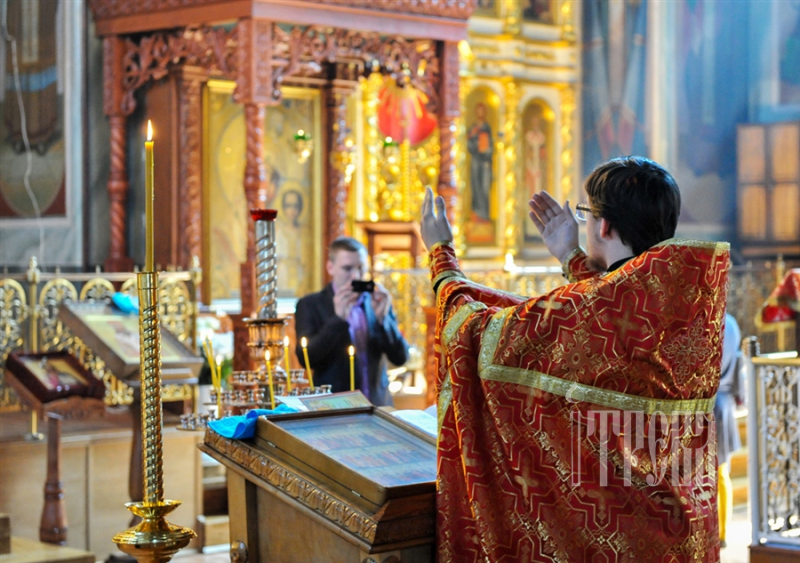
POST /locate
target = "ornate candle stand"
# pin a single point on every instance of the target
(266, 331)
(153, 539)
(250, 389)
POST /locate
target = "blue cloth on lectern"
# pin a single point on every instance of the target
(125, 302)
(244, 426)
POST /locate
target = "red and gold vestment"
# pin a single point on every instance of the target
(576, 426)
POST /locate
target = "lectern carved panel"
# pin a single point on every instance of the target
(295, 486)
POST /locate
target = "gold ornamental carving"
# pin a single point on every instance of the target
(97, 289)
(295, 486)
(171, 393)
(53, 294)
(568, 156)
(13, 312)
(176, 307)
(373, 146)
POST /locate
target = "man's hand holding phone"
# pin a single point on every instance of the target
(362, 286)
(343, 301)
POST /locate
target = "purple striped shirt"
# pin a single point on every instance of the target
(359, 336)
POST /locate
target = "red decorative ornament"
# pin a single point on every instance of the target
(783, 304)
(402, 114)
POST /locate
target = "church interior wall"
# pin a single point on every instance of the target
(97, 151)
(51, 68)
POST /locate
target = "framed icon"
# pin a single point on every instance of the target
(45, 377)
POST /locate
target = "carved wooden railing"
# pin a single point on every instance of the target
(773, 439)
(29, 322)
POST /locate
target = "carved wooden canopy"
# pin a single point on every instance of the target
(260, 44)
(435, 19)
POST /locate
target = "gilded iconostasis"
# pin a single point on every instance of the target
(515, 137)
(519, 87)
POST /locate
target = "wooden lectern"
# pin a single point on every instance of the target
(349, 485)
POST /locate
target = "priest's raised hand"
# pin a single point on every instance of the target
(435, 226)
(557, 224)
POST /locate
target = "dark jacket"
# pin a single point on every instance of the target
(329, 337)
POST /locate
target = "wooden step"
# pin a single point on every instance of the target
(213, 530)
(774, 553)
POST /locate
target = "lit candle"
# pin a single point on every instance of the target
(269, 377)
(310, 378)
(286, 357)
(216, 374)
(148, 198)
(352, 352)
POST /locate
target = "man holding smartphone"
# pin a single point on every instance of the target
(343, 315)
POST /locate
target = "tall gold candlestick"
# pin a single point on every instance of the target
(150, 360)
(153, 539)
(148, 198)
(286, 363)
(269, 377)
(310, 378)
(352, 352)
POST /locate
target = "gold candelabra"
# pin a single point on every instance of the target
(153, 539)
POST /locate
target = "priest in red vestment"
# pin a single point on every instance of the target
(577, 426)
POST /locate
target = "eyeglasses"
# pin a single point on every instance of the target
(582, 212)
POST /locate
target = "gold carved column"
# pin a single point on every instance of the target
(569, 150)
(511, 236)
(113, 53)
(449, 112)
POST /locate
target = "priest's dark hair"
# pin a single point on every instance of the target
(345, 243)
(639, 199)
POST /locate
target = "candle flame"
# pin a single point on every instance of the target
(351, 351)
(303, 342)
(266, 355)
(286, 341)
(149, 131)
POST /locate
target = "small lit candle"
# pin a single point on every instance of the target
(310, 377)
(148, 198)
(216, 374)
(269, 378)
(286, 358)
(218, 383)
(352, 352)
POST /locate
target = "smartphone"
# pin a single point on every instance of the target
(362, 285)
